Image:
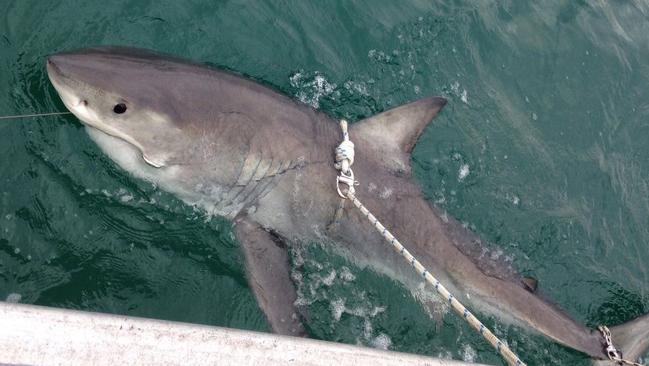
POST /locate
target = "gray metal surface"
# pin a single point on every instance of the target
(35, 335)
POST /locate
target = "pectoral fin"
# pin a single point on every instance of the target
(267, 267)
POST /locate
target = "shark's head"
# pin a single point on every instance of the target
(181, 125)
(104, 88)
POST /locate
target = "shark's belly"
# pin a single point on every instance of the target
(197, 185)
(190, 188)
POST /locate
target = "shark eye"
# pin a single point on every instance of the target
(119, 108)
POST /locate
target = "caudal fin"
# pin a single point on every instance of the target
(632, 338)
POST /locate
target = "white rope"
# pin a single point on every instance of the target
(347, 177)
(344, 160)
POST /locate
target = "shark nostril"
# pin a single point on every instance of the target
(84, 102)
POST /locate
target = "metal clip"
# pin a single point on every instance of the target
(348, 179)
(610, 350)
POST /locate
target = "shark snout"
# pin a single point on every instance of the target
(52, 69)
(73, 92)
(60, 81)
(55, 63)
(67, 66)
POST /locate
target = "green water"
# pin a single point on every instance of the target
(548, 114)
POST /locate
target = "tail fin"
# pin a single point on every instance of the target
(631, 338)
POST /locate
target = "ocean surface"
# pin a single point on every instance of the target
(542, 150)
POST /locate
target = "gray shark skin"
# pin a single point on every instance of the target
(241, 150)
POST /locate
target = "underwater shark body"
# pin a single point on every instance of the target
(241, 150)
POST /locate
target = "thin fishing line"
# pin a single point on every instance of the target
(34, 115)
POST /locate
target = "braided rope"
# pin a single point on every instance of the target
(502, 348)
(343, 163)
(623, 361)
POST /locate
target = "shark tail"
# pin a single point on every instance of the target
(631, 338)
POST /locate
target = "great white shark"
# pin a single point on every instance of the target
(243, 151)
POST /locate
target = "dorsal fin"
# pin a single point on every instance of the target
(393, 133)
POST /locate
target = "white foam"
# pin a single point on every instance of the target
(468, 353)
(455, 87)
(14, 298)
(377, 310)
(367, 330)
(436, 307)
(124, 195)
(447, 355)
(441, 200)
(382, 341)
(464, 96)
(329, 279)
(346, 275)
(379, 56)
(464, 171)
(298, 258)
(496, 254)
(358, 87)
(311, 91)
(513, 199)
(337, 308)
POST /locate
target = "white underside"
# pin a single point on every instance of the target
(173, 179)
(129, 157)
